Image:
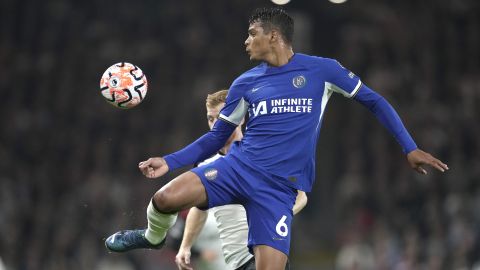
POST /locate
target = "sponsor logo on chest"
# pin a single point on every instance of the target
(283, 105)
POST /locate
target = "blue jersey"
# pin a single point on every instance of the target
(285, 106)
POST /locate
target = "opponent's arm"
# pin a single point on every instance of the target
(193, 226)
(390, 119)
(300, 202)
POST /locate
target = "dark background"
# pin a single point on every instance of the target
(68, 160)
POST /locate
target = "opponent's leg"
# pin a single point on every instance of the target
(182, 192)
(268, 258)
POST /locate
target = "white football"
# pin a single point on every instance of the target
(124, 85)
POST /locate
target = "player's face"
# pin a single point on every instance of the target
(212, 114)
(258, 43)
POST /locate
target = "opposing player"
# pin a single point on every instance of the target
(286, 96)
(231, 219)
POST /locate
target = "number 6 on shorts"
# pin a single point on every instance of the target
(282, 228)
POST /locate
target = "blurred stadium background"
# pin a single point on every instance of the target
(68, 160)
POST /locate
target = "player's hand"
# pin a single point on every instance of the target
(183, 259)
(153, 167)
(417, 158)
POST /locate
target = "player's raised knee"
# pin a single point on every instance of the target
(183, 192)
(164, 201)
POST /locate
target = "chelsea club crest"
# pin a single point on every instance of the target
(299, 81)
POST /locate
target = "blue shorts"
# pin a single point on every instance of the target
(267, 201)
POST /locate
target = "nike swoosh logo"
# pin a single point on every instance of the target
(113, 239)
(255, 89)
(277, 239)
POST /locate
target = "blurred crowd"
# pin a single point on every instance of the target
(68, 159)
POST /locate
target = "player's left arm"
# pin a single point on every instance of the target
(300, 202)
(345, 82)
(389, 118)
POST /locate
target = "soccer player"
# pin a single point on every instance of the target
(285, 96)
(231, 219)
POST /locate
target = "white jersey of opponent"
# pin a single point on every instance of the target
(232, 228)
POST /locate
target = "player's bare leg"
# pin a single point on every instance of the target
(181, 193)
(268, 258)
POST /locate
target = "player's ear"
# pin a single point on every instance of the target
(274, 35)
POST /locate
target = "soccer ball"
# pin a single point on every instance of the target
(124, 85)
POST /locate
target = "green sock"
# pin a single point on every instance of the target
(158, 224)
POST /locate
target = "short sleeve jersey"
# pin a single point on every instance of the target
(285, 106)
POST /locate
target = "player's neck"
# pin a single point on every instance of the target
(279, 57)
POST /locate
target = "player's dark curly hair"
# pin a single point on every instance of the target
(274, 18)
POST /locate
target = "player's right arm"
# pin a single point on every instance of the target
(201, 149)
(193, 226)
(230, 117)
